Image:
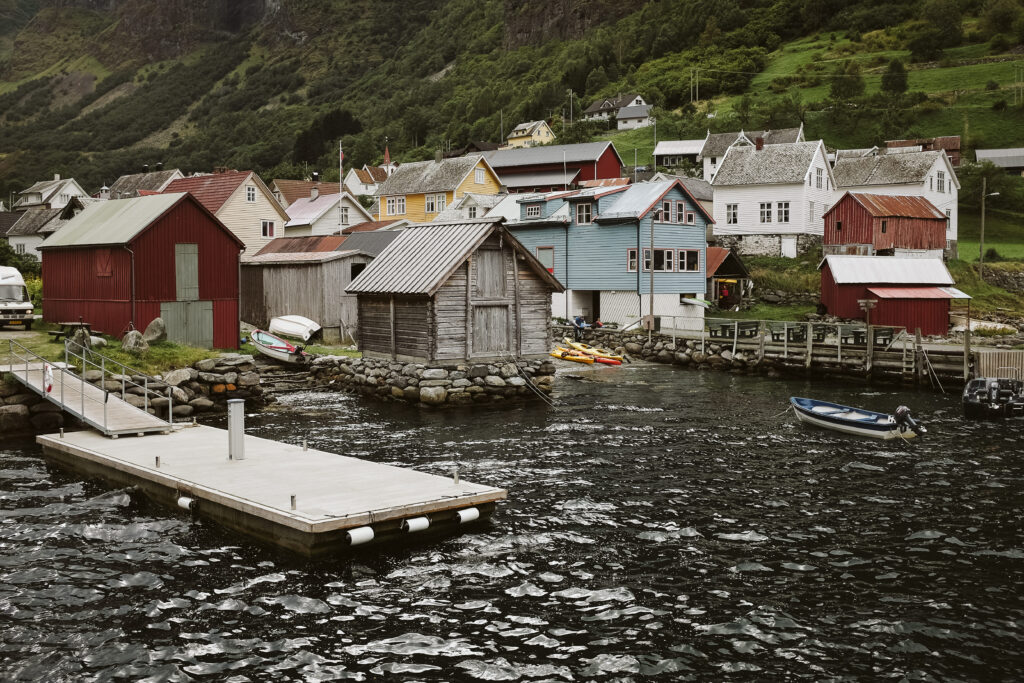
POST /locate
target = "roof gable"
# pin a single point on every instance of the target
(717, 144)
(890, 169)
(901, 206)
(213, 191)
(428, 176)
(584, 152)
(131, 185)
(780, 164)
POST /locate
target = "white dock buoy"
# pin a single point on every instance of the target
(186, 503)
(415, 524)
(467, 515)
(359, 535)
(236, 429)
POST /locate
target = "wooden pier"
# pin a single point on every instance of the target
(311, 502)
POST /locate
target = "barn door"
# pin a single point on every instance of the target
(490, 329)
(189, 322)
(186, 272)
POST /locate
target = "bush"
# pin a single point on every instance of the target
(999, 43)
(999, 105)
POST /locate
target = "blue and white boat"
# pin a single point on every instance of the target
(857, 421)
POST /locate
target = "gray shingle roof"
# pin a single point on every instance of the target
(609, 103)
(546, 154)
(525, 128)
(428, 176)
(8, 219)
(32, 222)
(884, 169)
(717, 143)
(129, 185)
(773, 165)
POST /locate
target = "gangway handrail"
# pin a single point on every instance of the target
(102, 367)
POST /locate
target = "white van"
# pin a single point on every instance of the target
(15, 304)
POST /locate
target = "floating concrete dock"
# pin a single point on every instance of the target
(308, 501)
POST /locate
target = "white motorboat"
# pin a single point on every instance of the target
(857, 421)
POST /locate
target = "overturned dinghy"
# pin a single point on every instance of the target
(294, 326)
(856, 421)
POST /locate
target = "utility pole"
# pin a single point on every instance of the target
(981, 239)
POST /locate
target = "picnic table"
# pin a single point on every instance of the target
(725, 330)
(795, 332)
(67, 330)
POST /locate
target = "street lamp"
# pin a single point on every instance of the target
(981, 239)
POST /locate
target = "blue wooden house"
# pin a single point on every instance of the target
(597, 242)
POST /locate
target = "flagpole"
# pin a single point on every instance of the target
(341, 179)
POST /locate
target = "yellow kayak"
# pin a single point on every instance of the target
(590, 350)
(567, 354)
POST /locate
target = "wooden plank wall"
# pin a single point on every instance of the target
(1000, 364)
(535, 308)
(449, 311)
(375, 323)
(254, 311)
(411, 326)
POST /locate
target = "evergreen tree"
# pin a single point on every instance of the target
(894, 80)
(848, 83)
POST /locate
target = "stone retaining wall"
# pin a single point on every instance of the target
(434, 385)
(23, 412)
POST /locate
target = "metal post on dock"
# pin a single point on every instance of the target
(967, 351)
(293, 501)
(103, 385)
(870, 351)
(304, 446)
(761, 329)
(170, 406)
(455, 475)
(810, 345)
(145, 393)
(735, 335)
(236, 429)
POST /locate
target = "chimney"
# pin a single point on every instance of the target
(159, 165)
(145, 168)
(56, 176)
(437, 156)
(314, 192)
(316, 177)
(759, 143)
(104, 192)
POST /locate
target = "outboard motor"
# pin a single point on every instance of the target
(905, 421)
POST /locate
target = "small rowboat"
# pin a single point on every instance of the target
(591, 350)
(274, 347)
(856, 421)
(566, 354)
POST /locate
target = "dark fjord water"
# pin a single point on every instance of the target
(661, 525)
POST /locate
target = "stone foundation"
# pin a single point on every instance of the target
(435, 385)
(23, 412)
(767, 245)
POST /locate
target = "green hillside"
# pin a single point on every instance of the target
(95, 93)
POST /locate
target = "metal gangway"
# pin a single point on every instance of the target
(104, 406)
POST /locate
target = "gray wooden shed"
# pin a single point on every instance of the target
(310, 284)
(455, 292)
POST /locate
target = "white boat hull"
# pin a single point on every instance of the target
(294, 326)
(893, 433)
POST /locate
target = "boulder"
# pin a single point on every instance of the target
(179, 395)
(44, 407)
(201, 404)
(398, 392)
(494, 381)
(155, 331)
(434, 374)
(205, 365)
(699, 357)
(248, 379)
(477, 371)
(183, 410)
(134, 344)
(412, 393)
(211, 378)
(97, 342)
(665, 356)
(9, 388)
(13, 418)
(632, 348)
(682, 358)
(20, 400)
(176, 377)
(727, 355)
(92, 375)
(508, 370)
(47, 422)
(80, 339)
(433, 395)
(516, 381)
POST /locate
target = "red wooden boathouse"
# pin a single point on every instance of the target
(908, 292)
(549, 168)
(121, 263)
(872, 224)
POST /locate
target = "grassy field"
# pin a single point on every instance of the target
(1004, 232)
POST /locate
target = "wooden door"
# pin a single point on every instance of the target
(189, 322)
(186, 272)
(490, 329)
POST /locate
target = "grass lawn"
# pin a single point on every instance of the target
(764, 311)
(639, 139)
(1004, 232)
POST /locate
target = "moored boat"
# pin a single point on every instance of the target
(568, 354)
(993, 397)
(277, 348)
(591, 350)
(857, 421)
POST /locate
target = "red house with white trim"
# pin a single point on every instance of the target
(908, 292)
(121, 263)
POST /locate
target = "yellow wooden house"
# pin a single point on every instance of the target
(418, 191)
(530, 134)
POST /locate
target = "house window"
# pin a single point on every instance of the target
(766, 212)
(344, 215)
(691, 218)
(546, 256)
(583, 215)
(884, 226)
(478, 176)
(631, 260)
(442, 202)
(680, 211)
(689, 260)
(817, 175)
(471, 212)
(428, 204)
(664, 260)
(810, 211)
(19, 248)
(268, 228)
(666, 213)
(839, 226)
(714, 161)
(533, 210)
(940, 182)
(732, 214)
(395, 206)
(103, 268)
(783, 210)
(355, 269)
(250, 193)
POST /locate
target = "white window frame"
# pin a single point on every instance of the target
(668, 257)
(470, 212)
(250, 193)
(533, 210)
(395, 205)
(428, 204)
(732, 214)
(344, 215)
(631, 262)
(267, 229)
(681, 261)
(478, 176)
(818, 175)
(940, 181)
(691, 218)
(766, 212)
(584, 210)
(537, 251)
(19, 248)
(782, 210)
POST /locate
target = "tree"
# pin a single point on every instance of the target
(926, 45)
(847, 84)
(596, 80)
(999, 16)
(894, 80)
(945, 17)
(743, 109)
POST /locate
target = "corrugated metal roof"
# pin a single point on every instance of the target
(916, 292)
(673, 147)
(779, 164)
(116, 221)
(297, 257)
(604, 182)
(636, 199)
(428, 176)
(715, 256)
(372, 243)
(305, 211)
(370, 226)
(905, 206)
(421, 258)
(541, 178)
(1011, 157)
(546, 154)
(881, 270)
(309, 243)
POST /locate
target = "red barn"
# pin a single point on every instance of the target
(908, 292)
(121, 263)
(549, 168)
(873, 224)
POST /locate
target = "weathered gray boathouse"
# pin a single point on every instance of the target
(454, 293)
